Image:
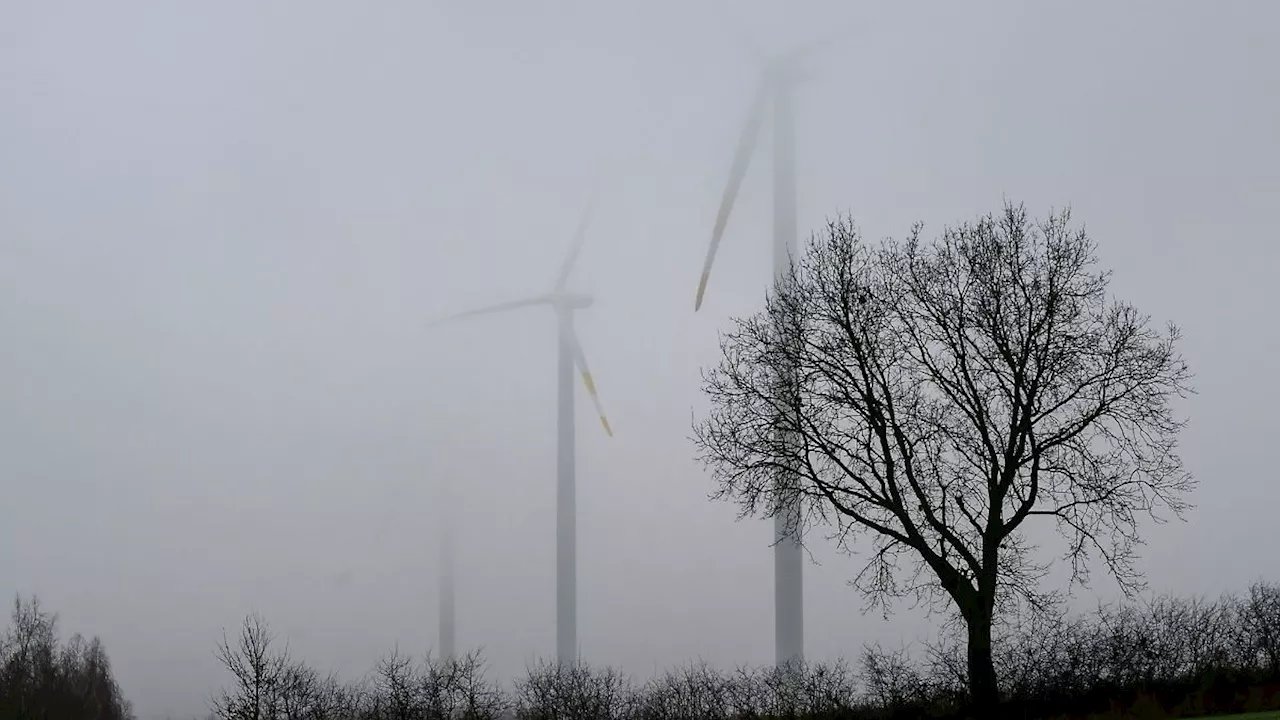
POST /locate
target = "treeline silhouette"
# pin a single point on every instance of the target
(42, 678)
(1165, 658)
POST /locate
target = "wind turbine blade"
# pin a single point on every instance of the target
(741, 159)
(579, 237)
(540, 300)
(580, 358)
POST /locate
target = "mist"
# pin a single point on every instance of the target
(225, 228)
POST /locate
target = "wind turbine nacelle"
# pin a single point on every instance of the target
(788, 73)
(572, 301)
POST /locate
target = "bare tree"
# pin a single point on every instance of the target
(259, 673)
(28, 658)
(937, 396)
(1260, 616)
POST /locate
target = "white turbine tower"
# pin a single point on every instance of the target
(447, 631)
(773, 93)
(564, 303)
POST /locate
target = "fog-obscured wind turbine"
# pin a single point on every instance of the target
(773, 93)
(564, 303)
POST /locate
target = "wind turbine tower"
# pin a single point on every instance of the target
(447, 632)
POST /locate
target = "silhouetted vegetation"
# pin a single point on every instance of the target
(1164, 658)
(42, 678)
(938, 397)
(1167, 657)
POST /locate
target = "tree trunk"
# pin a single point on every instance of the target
(983, 693)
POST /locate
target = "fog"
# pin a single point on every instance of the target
(225, 227)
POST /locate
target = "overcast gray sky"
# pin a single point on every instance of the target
(224, 226)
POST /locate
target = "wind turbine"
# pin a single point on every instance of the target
(773, 93)
(564, 303)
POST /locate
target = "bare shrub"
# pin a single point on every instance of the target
(696, 690)
(459, 689)
(552, 691)
(437, 689)
(802, 689)
(1165, 657)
